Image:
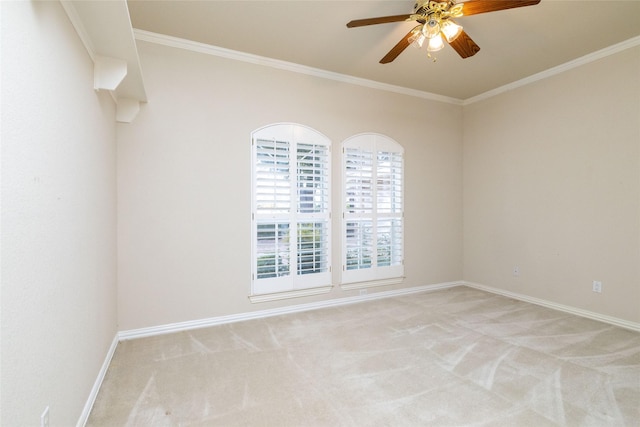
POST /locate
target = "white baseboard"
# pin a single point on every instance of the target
(212, 321)
(549, 304)
(203, 323)
(86, 411)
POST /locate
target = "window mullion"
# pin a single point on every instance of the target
(374, 210)
(293, 212)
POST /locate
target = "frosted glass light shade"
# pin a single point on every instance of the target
(417, 37)
(451, 30)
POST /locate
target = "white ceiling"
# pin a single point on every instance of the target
(514, 43)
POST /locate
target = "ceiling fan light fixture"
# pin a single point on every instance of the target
(435, 24)
(451, 30)
(435, 43)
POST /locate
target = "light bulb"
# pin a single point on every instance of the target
(435, 44)
(451, 30)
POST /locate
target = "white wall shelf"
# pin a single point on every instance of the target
(105, 29)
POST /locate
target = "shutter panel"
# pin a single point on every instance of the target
(389, 241)
(272, 249)
(389, 183)
(313, 205)
(358, 190)
(313, 178)
(359, 244)
(389, 208)
(358, 178)
(272, 177)
(313, 247)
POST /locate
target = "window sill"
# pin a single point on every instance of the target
(290, 294)
(371, 283)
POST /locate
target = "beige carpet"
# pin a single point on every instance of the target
(453, 357)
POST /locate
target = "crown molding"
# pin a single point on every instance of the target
(591, 57)
(179, 43)
(207, 49)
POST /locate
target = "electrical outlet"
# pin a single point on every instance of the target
(597, 286)
(44, 418)
(516, 271)
(363, 291)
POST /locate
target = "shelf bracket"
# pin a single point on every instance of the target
(108, 73)
(127, 109)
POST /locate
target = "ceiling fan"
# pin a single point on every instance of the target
(435, 24)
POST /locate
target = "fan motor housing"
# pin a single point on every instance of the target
(424, 7)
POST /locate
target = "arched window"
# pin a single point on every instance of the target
(373, 209)
(291, 247)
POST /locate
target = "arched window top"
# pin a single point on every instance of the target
(291, 132)
(374, 141)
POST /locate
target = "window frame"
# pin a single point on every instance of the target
(303, 217)
(353, 214)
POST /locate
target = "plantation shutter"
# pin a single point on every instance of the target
(373, 224)
(291, 209)
(358, 181)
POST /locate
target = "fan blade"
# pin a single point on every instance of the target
(398, 48)
(380, 20)
(474, 7)
(464, 45)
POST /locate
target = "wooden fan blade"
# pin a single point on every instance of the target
(464, 45)
(474, 7)
(380, 20)
(397, 49)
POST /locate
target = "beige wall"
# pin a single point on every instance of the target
(551, 176)
(184, 180)
(58, 218)
(552, 185)
(545, 177)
